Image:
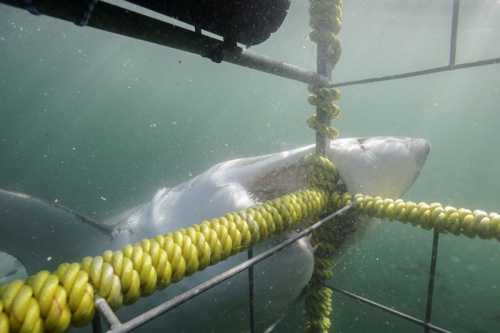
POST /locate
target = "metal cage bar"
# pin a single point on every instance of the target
(426, 325)
(251, 291)
(435, 235)
(432, 276)
(454, 32)
(447, 68)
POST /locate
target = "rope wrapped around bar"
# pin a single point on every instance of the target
(52, 301)
(318, 300)
(326, 21)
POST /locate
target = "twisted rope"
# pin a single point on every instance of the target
(53, 301)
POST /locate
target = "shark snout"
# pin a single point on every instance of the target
(420, 149)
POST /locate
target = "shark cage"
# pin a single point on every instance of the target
(238, 23)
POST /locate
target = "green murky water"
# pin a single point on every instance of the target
(98, 122)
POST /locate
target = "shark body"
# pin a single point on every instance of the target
(41, 236)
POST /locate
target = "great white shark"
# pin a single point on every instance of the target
(36, 235)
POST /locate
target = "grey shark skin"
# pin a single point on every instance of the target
(42, 236)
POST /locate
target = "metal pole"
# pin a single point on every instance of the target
(454, 30)
(251, 293)
(447, 68)
(105, 310)
(324, 69)
(390, 310)
(432, 275)
(97, 323)
(266, 64)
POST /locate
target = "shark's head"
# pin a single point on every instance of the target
(385, 166)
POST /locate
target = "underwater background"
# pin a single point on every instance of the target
(98, 122)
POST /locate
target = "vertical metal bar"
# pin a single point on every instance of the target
(324, 68)
(454, 31)
(432, 275)
(105, 310)
(251, 293)
(97, 323)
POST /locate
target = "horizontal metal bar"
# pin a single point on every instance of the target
(265, 64)
(202, 287)
(434, 70)
(390, 310)
(118, 20)
(106, 311)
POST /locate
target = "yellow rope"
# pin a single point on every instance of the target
(318, 301)
(446, 219)
(53, 301)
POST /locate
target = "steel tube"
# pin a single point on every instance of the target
(266, 64)
(97, 323)
(390, 310)
(434, 70)
(251, 291)
(202, 287)
(106, 311)
(454, 32)
(432, 276)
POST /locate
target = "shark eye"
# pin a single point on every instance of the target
(11, 268)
